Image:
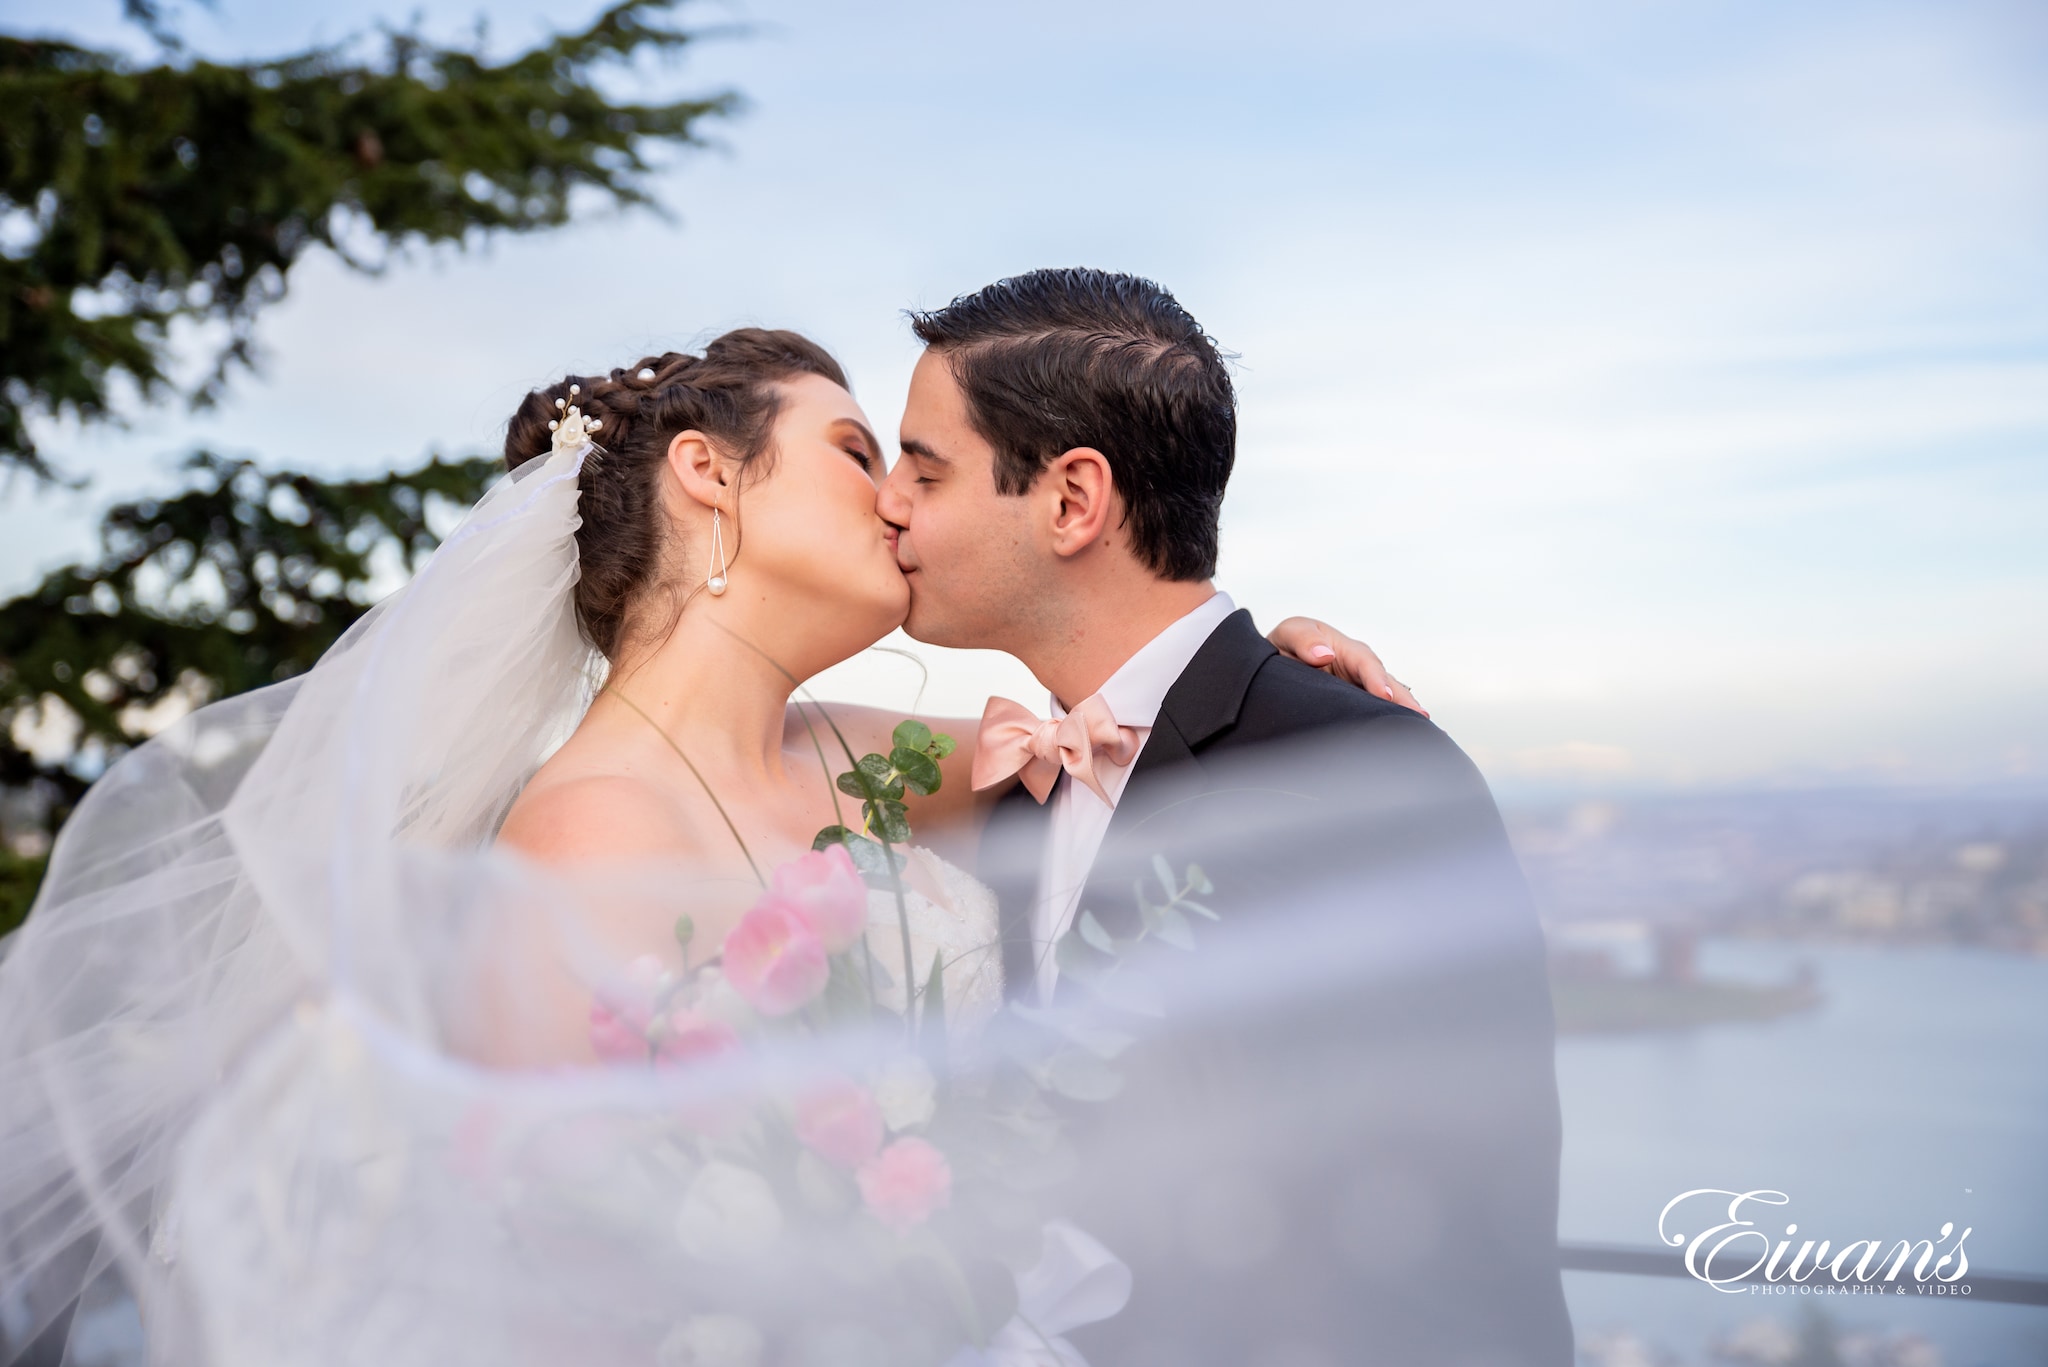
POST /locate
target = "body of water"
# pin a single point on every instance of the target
(1915, 1095)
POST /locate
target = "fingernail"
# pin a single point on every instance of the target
(1321, 653)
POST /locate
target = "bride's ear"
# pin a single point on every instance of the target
(703, 473)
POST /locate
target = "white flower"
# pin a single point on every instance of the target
(729, 1211)
(717, 999)
(905, 1092)
(711, 1341)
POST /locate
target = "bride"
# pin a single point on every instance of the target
(289, 1047)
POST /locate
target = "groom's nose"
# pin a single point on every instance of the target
(891, 504)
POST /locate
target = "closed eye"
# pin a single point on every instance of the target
(866, 461)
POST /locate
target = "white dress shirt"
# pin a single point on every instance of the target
(1079, 818)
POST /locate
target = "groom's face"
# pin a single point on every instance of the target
(971, 554)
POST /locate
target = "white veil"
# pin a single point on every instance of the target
(251, 858)
(235, 1033)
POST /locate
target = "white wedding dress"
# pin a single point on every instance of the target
(227, 1085)
(960, 927)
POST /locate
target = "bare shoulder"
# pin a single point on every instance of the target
(596, 816)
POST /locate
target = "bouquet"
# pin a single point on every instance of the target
(900, 1174)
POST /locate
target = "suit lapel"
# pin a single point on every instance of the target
(1203, 702)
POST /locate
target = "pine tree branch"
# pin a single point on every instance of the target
(137, 197)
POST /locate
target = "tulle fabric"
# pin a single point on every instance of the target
(246, 1037)
(253, 857)
(240, 1034)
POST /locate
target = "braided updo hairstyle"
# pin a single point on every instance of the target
(625, 541)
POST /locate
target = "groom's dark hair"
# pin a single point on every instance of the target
(1058, 359)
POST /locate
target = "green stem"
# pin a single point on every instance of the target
(910, 984)
(867, 958)
(895, 883)
(804, 702)
(1051, 1351)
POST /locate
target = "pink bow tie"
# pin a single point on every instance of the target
(1014, 740)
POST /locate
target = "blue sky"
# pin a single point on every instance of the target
(1662, 386)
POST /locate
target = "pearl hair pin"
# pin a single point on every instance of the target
(572, 429)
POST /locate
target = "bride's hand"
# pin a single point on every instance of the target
(1322, 646)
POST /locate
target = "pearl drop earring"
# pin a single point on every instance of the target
(716, 582)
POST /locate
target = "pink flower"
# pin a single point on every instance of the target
(619, 1016)
(614, 1037)
(905, 1183)
(825, 889)
(840, 1123)
(773, 959)
(690, 1036)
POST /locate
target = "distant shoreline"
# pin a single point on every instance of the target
(1627, 1005)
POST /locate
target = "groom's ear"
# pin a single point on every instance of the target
(1081, 498)
(699, 468)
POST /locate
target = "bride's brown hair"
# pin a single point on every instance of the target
(625, 544)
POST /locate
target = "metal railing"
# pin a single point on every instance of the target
(2004, 1288)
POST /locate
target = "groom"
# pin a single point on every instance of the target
(1066, 444)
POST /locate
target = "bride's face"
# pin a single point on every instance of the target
(810, 544)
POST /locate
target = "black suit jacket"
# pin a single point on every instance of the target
(1362, 1168)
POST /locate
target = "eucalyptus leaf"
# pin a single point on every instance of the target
(869, 857)
(1174, 929)
(846, 989)
(1198, 909)
(919, 773)
(911, 735)
(890, 819)
(1094, 934)
(1199, 881)
(1075, 959)
(871, 778)
(1083, 1076)
(932, 1020)
(1099, 1040)
(942, 745)
(1163, 871)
